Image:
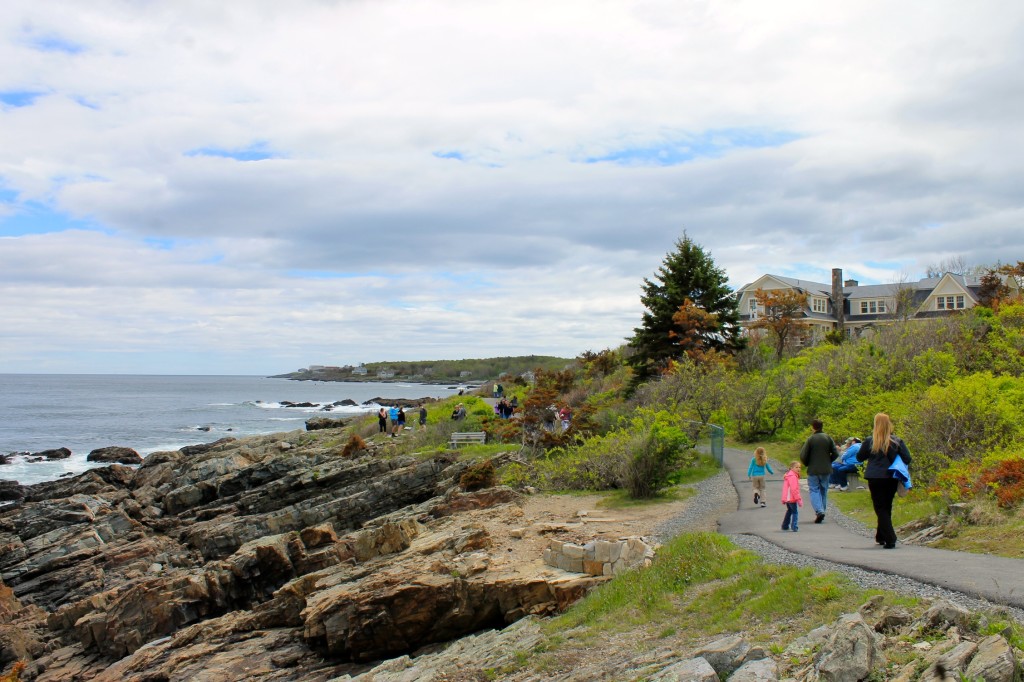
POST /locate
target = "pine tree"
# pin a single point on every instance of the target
(686, 273)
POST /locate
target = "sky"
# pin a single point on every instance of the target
(251, 187)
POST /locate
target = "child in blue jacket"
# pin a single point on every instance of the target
(755, 472)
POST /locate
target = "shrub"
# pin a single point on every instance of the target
(354, 445)
(1005, 482)
(639, 456)
(478, 475)
(15, 674)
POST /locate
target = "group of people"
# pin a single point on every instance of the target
(882, 451)
(397, 417)
(504, 408)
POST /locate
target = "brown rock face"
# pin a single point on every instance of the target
(248, 560)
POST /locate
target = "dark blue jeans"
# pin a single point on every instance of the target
(792, 514)
(839, 472)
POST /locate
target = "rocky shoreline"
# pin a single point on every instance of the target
(263, 558)
(289, 557)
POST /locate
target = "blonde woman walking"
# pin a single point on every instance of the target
(879, 450)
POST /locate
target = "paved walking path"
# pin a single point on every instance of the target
(997, 579)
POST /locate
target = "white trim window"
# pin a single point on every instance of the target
(872, 307)
(950, 302)
(818, 305)
(753, 308)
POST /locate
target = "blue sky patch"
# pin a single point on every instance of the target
(689, 147)
(258, 151)
(52, 43)
(19, 98)
(36, 218)
(457, 156)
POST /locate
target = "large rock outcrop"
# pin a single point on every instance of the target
(252, 558)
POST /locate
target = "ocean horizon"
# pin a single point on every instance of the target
(153, 412)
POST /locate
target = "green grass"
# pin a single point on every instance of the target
(1005, 538)
(702, 582)
(857, 504)
(705, 467)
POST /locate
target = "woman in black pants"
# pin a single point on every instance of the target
(880, 450)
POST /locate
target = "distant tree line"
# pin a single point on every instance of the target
(473, 370)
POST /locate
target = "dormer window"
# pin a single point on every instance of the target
(872, 307)
(949, 302)
(818, 305)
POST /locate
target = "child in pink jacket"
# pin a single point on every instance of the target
(791, 496)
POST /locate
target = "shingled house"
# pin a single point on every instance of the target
(852, 307)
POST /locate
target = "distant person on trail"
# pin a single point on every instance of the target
(879, 450)
(791, 497)
(846, 464)
(565, 416)
(423, 417)
(756, 471)
(817, 454)
(401, 419)
(393, 413)
(382, 421)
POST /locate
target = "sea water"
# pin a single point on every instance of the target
(150, 413)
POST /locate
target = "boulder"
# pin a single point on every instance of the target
(11, 491)
(319, 423)
(192, 450)
(725, 654)
(760, 670)
(994, 661)
(114, 453)
(690, 670)
(57, 453)
(852, 650)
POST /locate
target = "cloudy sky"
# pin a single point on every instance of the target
(253, 186)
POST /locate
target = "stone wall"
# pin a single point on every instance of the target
(599, 557)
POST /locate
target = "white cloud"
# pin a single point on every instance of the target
(359, 241)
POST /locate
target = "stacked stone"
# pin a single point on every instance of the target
(599, 557)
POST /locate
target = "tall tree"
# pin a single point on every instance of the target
(688, 272)
(783, 316)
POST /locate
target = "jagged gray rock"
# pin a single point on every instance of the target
(760, 670)
(994, 661)
(691, 670)
(851, 652)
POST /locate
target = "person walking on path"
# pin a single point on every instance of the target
(879, 450)
(817, 454)
(382, 421)
(791, 497)
(401, 419)
(423, 417)
(755, 472)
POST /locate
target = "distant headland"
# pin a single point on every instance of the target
(430, 371)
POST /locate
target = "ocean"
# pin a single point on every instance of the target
(83, 412)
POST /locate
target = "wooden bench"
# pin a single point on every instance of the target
(467, 438)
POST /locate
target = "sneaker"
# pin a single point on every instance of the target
(795, 529)
(820, 517)
(785, 528)
(843, 488)
(763, 504)
(757, 498)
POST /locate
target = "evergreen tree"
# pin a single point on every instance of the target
(686, 273)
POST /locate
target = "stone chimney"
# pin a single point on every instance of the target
(837, 298)
(850, 283)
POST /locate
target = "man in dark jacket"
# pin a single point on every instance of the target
(817, 455)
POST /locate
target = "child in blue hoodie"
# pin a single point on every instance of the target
(755, 472)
